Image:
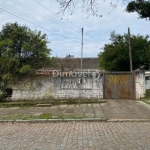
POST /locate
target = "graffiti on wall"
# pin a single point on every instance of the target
(70, 88)
(76, 84)
(73, 83)
(69, 85)
(118, 79)
(30, 84)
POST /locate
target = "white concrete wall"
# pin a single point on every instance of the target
(72, 89)
(140, 84)
(40, 87)
(46, 87)
(33, 88)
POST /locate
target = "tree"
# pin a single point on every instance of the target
(2, 91)
(142, 7)
(116, 54)
(21, 51)
(91, 7)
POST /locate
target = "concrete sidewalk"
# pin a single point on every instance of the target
(112, 109)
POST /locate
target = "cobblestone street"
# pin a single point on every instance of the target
(75, 136)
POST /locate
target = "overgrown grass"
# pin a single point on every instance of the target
(148, 94)
(12, 117)
(76, 101)
(147, 98)
(29, 103)
(30, 117)
(69, 117)
(42, 116)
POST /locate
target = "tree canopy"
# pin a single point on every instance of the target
(142, 7)
(116, 54)
(91, 7)
(21, 51)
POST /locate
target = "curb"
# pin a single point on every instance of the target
(54, 120)
(128, 120)
(74, 120)
(145, 104)
(7, 104)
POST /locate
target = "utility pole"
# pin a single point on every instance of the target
(82, 51)
(130, 53)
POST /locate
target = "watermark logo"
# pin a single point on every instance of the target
(77, 74)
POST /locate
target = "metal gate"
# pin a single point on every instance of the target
(118, 85)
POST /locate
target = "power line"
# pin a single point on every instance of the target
(41, 14)
(50, 18)
(96, 34)
(93, 37)
(36, 24)
(86, 33)
(47, 17)
(56, 14)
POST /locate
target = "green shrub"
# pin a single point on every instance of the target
(2, 96)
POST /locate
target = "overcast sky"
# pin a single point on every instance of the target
(64, 34)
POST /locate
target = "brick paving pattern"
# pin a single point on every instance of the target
(75, 136)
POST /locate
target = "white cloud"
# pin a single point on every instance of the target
(97, 30)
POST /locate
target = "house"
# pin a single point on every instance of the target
(71, 64)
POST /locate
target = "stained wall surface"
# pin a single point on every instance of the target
(46, 87)
(39, 87)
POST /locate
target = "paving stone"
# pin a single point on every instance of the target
(96, 105)
(63, 106)
(79, 111)
(125, 109)
(88, 115)
(112, 109)
(69, 110)
(60, 111)
(75, 136)
(52, 109)
(14, 108)
(89, 111)
(83, 105)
